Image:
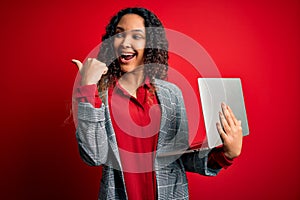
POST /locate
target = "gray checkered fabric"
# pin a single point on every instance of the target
(97, 146)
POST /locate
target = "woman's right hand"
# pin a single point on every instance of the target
(91, 71)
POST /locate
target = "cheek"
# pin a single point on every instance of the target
(116, 45)
(140, 45)
(141, 52)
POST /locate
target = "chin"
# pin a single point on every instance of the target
(130, 68)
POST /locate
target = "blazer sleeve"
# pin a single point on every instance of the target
(197, 162)
(91, 134)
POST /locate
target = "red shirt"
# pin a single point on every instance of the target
(137, 136)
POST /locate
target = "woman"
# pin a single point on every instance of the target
(138, 122)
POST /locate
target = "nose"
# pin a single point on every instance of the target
(126, 43)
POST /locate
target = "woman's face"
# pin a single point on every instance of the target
(130, 42)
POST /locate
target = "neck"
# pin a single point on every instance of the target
(131, 81)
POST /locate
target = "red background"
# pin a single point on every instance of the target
(257, 41)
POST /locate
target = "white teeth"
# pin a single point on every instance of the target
(127, 54)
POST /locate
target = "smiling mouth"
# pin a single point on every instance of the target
(126, 57)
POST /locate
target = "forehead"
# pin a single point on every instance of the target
(131, 21)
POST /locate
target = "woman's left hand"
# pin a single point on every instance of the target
(230, 132)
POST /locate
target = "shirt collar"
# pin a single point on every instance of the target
(146, 83)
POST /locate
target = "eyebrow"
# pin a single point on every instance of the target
(133, 30)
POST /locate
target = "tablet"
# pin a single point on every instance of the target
(214, 91)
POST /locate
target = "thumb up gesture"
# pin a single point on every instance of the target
(91, 71)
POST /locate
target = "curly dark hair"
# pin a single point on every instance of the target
(155, 54)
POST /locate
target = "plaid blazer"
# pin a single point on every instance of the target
(97, 146)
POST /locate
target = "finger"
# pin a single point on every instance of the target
(239, 123)
(227, 115)
(105, 70)
(77, 63)
(232, 115)
(221, 131)
(90, 60)
(224, 123)
(240, 126)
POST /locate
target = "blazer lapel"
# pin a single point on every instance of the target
(164, 100)
(112, 141)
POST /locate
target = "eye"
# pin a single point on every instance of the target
(137, 36)
(119, 35)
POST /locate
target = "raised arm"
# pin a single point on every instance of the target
(90, 131)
